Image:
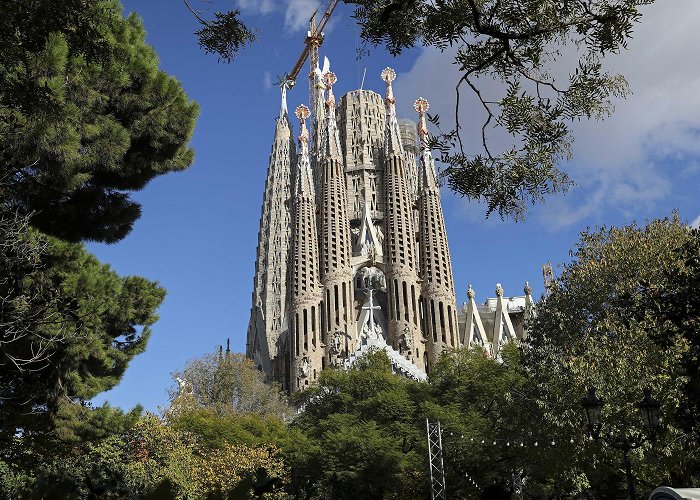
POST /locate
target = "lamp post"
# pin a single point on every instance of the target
(650, 410)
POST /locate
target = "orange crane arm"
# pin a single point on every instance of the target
(314, 34)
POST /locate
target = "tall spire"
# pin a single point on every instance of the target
(427, 171)
(283, 104)
(393, 133)
(435, 262)
(305, 355)
(331, 138)
(336, 245)
(304, 180)
(269, 306)
(401, 258)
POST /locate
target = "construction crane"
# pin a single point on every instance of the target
(314, 39)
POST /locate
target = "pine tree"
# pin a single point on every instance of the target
(85, 117)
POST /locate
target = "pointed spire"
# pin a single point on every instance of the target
(228, 347)
(428, 178)
(304, 183)
(393, 134)
(283, 105)
(527, 289)
(302, 112)
(421, 105)
(331, 137)
(470, 292)
(389, 75)
(329, 80)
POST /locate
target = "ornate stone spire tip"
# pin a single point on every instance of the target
(421, 105)
(388, 75)
(302, 112)
(470, 291)
(329, 80)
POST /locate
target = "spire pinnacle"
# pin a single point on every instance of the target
(393, 142)
(421, 105)
(470, 292)
(330, 139)
(329, 80)
(302, 112)
(283, 105)
(389, 75)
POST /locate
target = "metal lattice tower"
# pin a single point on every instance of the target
(437, 469)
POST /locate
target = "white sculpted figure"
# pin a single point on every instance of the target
(336, 343)
(304, 367)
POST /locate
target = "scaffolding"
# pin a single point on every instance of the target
(437, 469)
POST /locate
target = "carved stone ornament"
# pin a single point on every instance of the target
(304, 367)
(406, 341)
(336, 343)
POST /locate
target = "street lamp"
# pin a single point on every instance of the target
(593, 405)
(650, 410)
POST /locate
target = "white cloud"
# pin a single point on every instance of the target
(617, 162)
(267, 80)
(298, 13)
(257, 6)
(696, 222)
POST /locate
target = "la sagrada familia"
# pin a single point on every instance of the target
(352, 250)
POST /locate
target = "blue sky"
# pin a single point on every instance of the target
(198, 232)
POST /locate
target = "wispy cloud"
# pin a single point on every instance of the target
(619, 162)
(696, 222)
(267, 80)
(257, 6)
(298, 12)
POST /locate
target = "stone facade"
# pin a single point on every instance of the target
(352, 249)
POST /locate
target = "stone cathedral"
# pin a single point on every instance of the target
(352, 250)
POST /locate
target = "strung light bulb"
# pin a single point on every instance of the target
(535, 443)
(508, 443)
(450, 434)
(522, 444)
(462, 436)
(472, 440)
(571, 440)
(552, 443)
(482, 441)
(494, 443)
